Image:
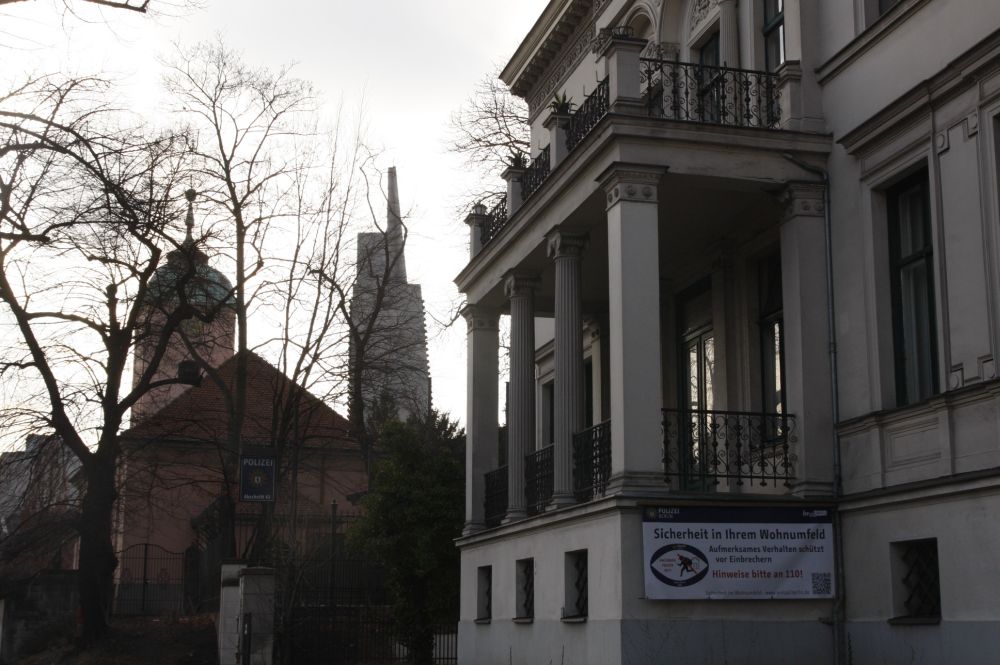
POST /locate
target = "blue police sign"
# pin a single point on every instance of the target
(257, 477)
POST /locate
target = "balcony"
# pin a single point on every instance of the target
(724, 96)
(704, 450)
(538, 479)
(592, 461)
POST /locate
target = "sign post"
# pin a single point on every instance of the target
(732, 553)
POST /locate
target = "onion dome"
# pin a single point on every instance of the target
(187, 272)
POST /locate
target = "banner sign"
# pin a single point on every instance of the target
(257, 477)
(737, 553)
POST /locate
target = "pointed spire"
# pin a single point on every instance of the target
(394, 226)
(189, 219)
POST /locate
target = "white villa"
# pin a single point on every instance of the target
(753, 280)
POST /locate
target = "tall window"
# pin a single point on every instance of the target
(911, 263)
(772, 336)
(774, 34)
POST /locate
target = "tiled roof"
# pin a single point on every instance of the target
(200, 413)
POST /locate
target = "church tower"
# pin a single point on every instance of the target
(186, 277)
(389, 351)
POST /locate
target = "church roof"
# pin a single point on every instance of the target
(200, 413)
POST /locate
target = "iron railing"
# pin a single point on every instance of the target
(495, 499)
(592, 461)
(715, 95)
(538, 479)
(703, 448)
(497, 219)
(593, 109)
(535, 174)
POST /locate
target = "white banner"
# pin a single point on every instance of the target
(737, 553)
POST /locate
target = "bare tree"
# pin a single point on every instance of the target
(86, 205)
(489, 130)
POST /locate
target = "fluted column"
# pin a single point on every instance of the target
(729, 34)
(634, 328)
(565, 248)
(481, 409)
(521, 425)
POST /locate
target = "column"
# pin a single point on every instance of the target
(521, 426)
(729, 34)
(807, 339)
(634, 328)
(619, 61)
(565, 248)
(481, 409)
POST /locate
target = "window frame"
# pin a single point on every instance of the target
(769, 26)
(897, 264)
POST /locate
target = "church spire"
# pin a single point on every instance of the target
(394, 227)
(189, 218)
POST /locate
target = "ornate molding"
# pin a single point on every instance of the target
(561, 67)
(478, 317)
(630, 183)
(803, 200)
(520, 286)
(565, 244)
(699, 12)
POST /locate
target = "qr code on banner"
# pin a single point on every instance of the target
(821, 584)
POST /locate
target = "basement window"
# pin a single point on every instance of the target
(484, 594)
(525, 591)
(575, 608)
(916, 582)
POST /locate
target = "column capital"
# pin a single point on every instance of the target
(564, 243)
(631, 182)
(479, 317)
(803, 199)
(517, 285)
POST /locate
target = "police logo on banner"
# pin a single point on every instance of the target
(257, 477)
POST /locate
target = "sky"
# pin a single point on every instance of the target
(408, 63)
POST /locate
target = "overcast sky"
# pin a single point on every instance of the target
(413, 62)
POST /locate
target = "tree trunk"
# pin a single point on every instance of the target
(97, 556)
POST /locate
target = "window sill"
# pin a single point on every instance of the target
(914, 621)
(483, 622)
(524, 620)
(574, 619)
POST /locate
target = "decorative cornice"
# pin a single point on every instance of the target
(700, 10)
(560, 68)
(565, 244)
(478, 317)
(520, 286)
(803, 199)
(630, 182)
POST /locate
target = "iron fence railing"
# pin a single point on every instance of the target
(715, 95)
(703, 448)
(497, 219)
(593, 109)
(538, 479)
(592, 461)
(535, 174)
(495, 496)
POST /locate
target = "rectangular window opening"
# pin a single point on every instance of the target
(916, 581)
(525, 589)
(912, 280)
(576, 583)
(774, 34)
(484, 594)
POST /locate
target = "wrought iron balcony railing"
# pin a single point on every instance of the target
(701, 449)
(713, 95)
(495, 499)
(592, 461)
(593, 109)
(497, 220)
(538, 479)
(536, 173)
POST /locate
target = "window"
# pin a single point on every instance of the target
(525, 589)
(484, 594)
(548, 413)
(772, 334)
(774, 34)
(697, 385)
(916, 583)
(575, 607)
(912, 280)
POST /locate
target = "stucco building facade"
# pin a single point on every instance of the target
(751, 275)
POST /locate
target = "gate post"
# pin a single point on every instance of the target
(257, 598)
